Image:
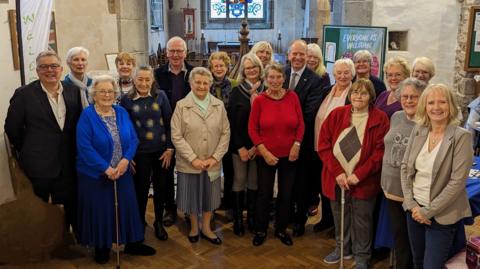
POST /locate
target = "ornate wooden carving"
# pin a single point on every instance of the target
(243, 38)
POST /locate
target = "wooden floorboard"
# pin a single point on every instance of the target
(236, 252)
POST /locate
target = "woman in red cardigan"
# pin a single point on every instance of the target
(276, 128)
(351, 148)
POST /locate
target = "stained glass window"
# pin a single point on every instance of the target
(235, 9)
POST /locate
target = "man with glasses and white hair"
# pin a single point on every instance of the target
(173, 79)
(41, 123)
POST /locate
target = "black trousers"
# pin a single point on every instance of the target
(149, 169)
(266, 180)
(398, 219)
(63, 190)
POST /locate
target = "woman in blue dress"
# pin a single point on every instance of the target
(106, 143)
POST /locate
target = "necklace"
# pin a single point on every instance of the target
(276, 95)
(434, 139)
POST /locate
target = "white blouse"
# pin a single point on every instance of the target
(423, 177)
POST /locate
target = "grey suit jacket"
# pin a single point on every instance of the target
(448, 197)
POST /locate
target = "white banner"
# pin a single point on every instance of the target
(35, 16)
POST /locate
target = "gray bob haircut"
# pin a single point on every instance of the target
(255, 60)
(202, 71)
(74, 51)
(346, 61)
(100, 79)
(363, 55)
(413, 82)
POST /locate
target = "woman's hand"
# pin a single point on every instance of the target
(210, 162)
(342, 181)
(198, 164)
(352, 180)
(418, 217)
(243, 154)
(294, 151)
(111, 173)
(166, 158)
(122, 167)
(270, 159)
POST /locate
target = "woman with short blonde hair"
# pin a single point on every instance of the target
(396, 70)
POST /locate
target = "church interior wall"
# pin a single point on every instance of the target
(432, 31)
(87, 23)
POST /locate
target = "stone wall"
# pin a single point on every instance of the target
(463, 81)
(431, 31)
(132, 22)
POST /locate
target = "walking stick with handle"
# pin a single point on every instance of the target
(116, 222)
(342, 225)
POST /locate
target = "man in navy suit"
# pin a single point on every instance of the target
(307, 85)
(40, 123)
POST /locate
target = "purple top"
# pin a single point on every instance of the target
(381, 103)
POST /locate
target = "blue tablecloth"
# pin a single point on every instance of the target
(384, 236)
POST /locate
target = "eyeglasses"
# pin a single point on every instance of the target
(48, 66)
(409, 97)
(104, 92)
(177, 52)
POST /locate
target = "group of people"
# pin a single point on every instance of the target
(78, 138)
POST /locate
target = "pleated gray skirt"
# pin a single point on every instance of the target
(197, 194)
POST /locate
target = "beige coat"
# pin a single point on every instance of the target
(448, 197)
(199, 135)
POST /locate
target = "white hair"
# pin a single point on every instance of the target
(74, 51)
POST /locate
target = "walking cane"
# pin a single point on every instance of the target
(342, 225)
(116, 222)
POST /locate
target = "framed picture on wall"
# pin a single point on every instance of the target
(110, 58)
(189, 23)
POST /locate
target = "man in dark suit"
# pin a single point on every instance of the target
(307, 85)
(41, 124)
(173, 79)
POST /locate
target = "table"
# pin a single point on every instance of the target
(384, 235)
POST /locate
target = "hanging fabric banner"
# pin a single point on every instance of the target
(35, 20)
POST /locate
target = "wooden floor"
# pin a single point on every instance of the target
(236, 252)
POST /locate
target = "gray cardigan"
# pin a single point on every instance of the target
(448, 197)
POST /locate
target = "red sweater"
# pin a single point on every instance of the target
(368, 168)
(276, 124)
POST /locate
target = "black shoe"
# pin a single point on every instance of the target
(160, 232)
(321, 226)
(238, 228)
(139, 249)
(298, 230)
(102, 255)
(259, 239)
(169, 218)
(284, 237)
(193, 238)
(215, 241)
